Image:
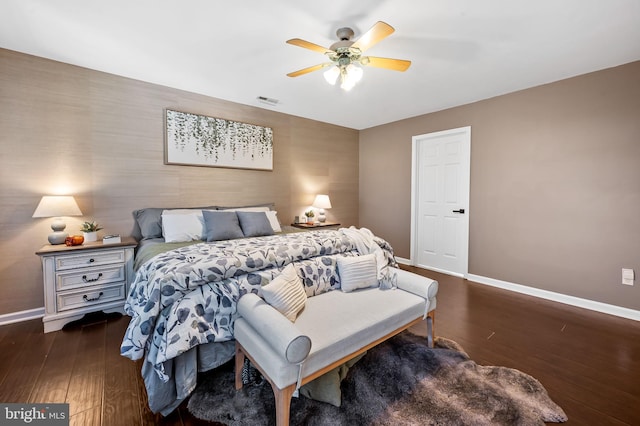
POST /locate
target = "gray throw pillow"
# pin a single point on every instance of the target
(221, 225)
(254, 224)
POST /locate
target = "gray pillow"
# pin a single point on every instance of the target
(221, 225)
(254, 224)
(149, 223)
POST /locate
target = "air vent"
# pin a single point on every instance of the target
(268, 101)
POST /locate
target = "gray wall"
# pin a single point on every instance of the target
(555, 184)
(100, 137)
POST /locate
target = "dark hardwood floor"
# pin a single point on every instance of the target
(589, 362)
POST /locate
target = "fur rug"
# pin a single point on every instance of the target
(399, 382)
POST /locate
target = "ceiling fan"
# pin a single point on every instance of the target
(346, 56)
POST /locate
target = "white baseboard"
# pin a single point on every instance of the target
(21, 316)
(408, 262)
(403, 261)
(592, 305)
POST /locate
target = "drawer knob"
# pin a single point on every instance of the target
(91, 299)
(90, 280)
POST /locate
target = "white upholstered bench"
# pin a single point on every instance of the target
(333, 328)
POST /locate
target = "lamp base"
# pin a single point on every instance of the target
(321, 217)
(57, 237)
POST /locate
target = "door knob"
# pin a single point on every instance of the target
(459, 211)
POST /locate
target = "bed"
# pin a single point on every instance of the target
(191, 268)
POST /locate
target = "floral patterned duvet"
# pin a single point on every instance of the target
(187, 296)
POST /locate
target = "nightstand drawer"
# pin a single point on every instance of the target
(90, 296)
(90, 276)
(89, 259)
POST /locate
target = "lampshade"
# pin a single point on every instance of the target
(57, 206)
(322, 202)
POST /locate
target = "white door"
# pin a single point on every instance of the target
(440, 201)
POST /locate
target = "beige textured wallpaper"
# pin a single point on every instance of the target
(555, 184)
(100, 137)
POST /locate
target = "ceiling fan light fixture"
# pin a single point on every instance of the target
(346, 58)
(347, 83)
(354, 72)
(331, 75)
(350, 75)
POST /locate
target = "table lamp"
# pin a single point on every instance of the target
(57, 206)
(322, 202)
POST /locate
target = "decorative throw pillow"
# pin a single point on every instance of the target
(357, 272)
(221, 225)
(182, 225)
(285, 293)
(268, 209)
(254, 224)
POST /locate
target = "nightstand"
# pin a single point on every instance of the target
(315, 225)
(87, 278)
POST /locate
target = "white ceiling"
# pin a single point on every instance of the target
(461, 50)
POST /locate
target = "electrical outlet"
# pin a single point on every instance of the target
(627, 276)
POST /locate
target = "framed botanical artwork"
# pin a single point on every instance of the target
(198, 140)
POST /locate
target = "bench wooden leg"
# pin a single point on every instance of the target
(283, 403)
(282, 396)
(239, 365)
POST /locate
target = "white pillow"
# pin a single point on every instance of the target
(286, 293)
(181, 225)
(272, 215)
(357, 272)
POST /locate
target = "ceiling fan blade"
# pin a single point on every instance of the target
(309, 69)
(379, 31)
(308, 45)
(390, 64)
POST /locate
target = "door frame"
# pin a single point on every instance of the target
(414, 195)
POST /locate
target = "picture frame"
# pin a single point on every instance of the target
(199, 140)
